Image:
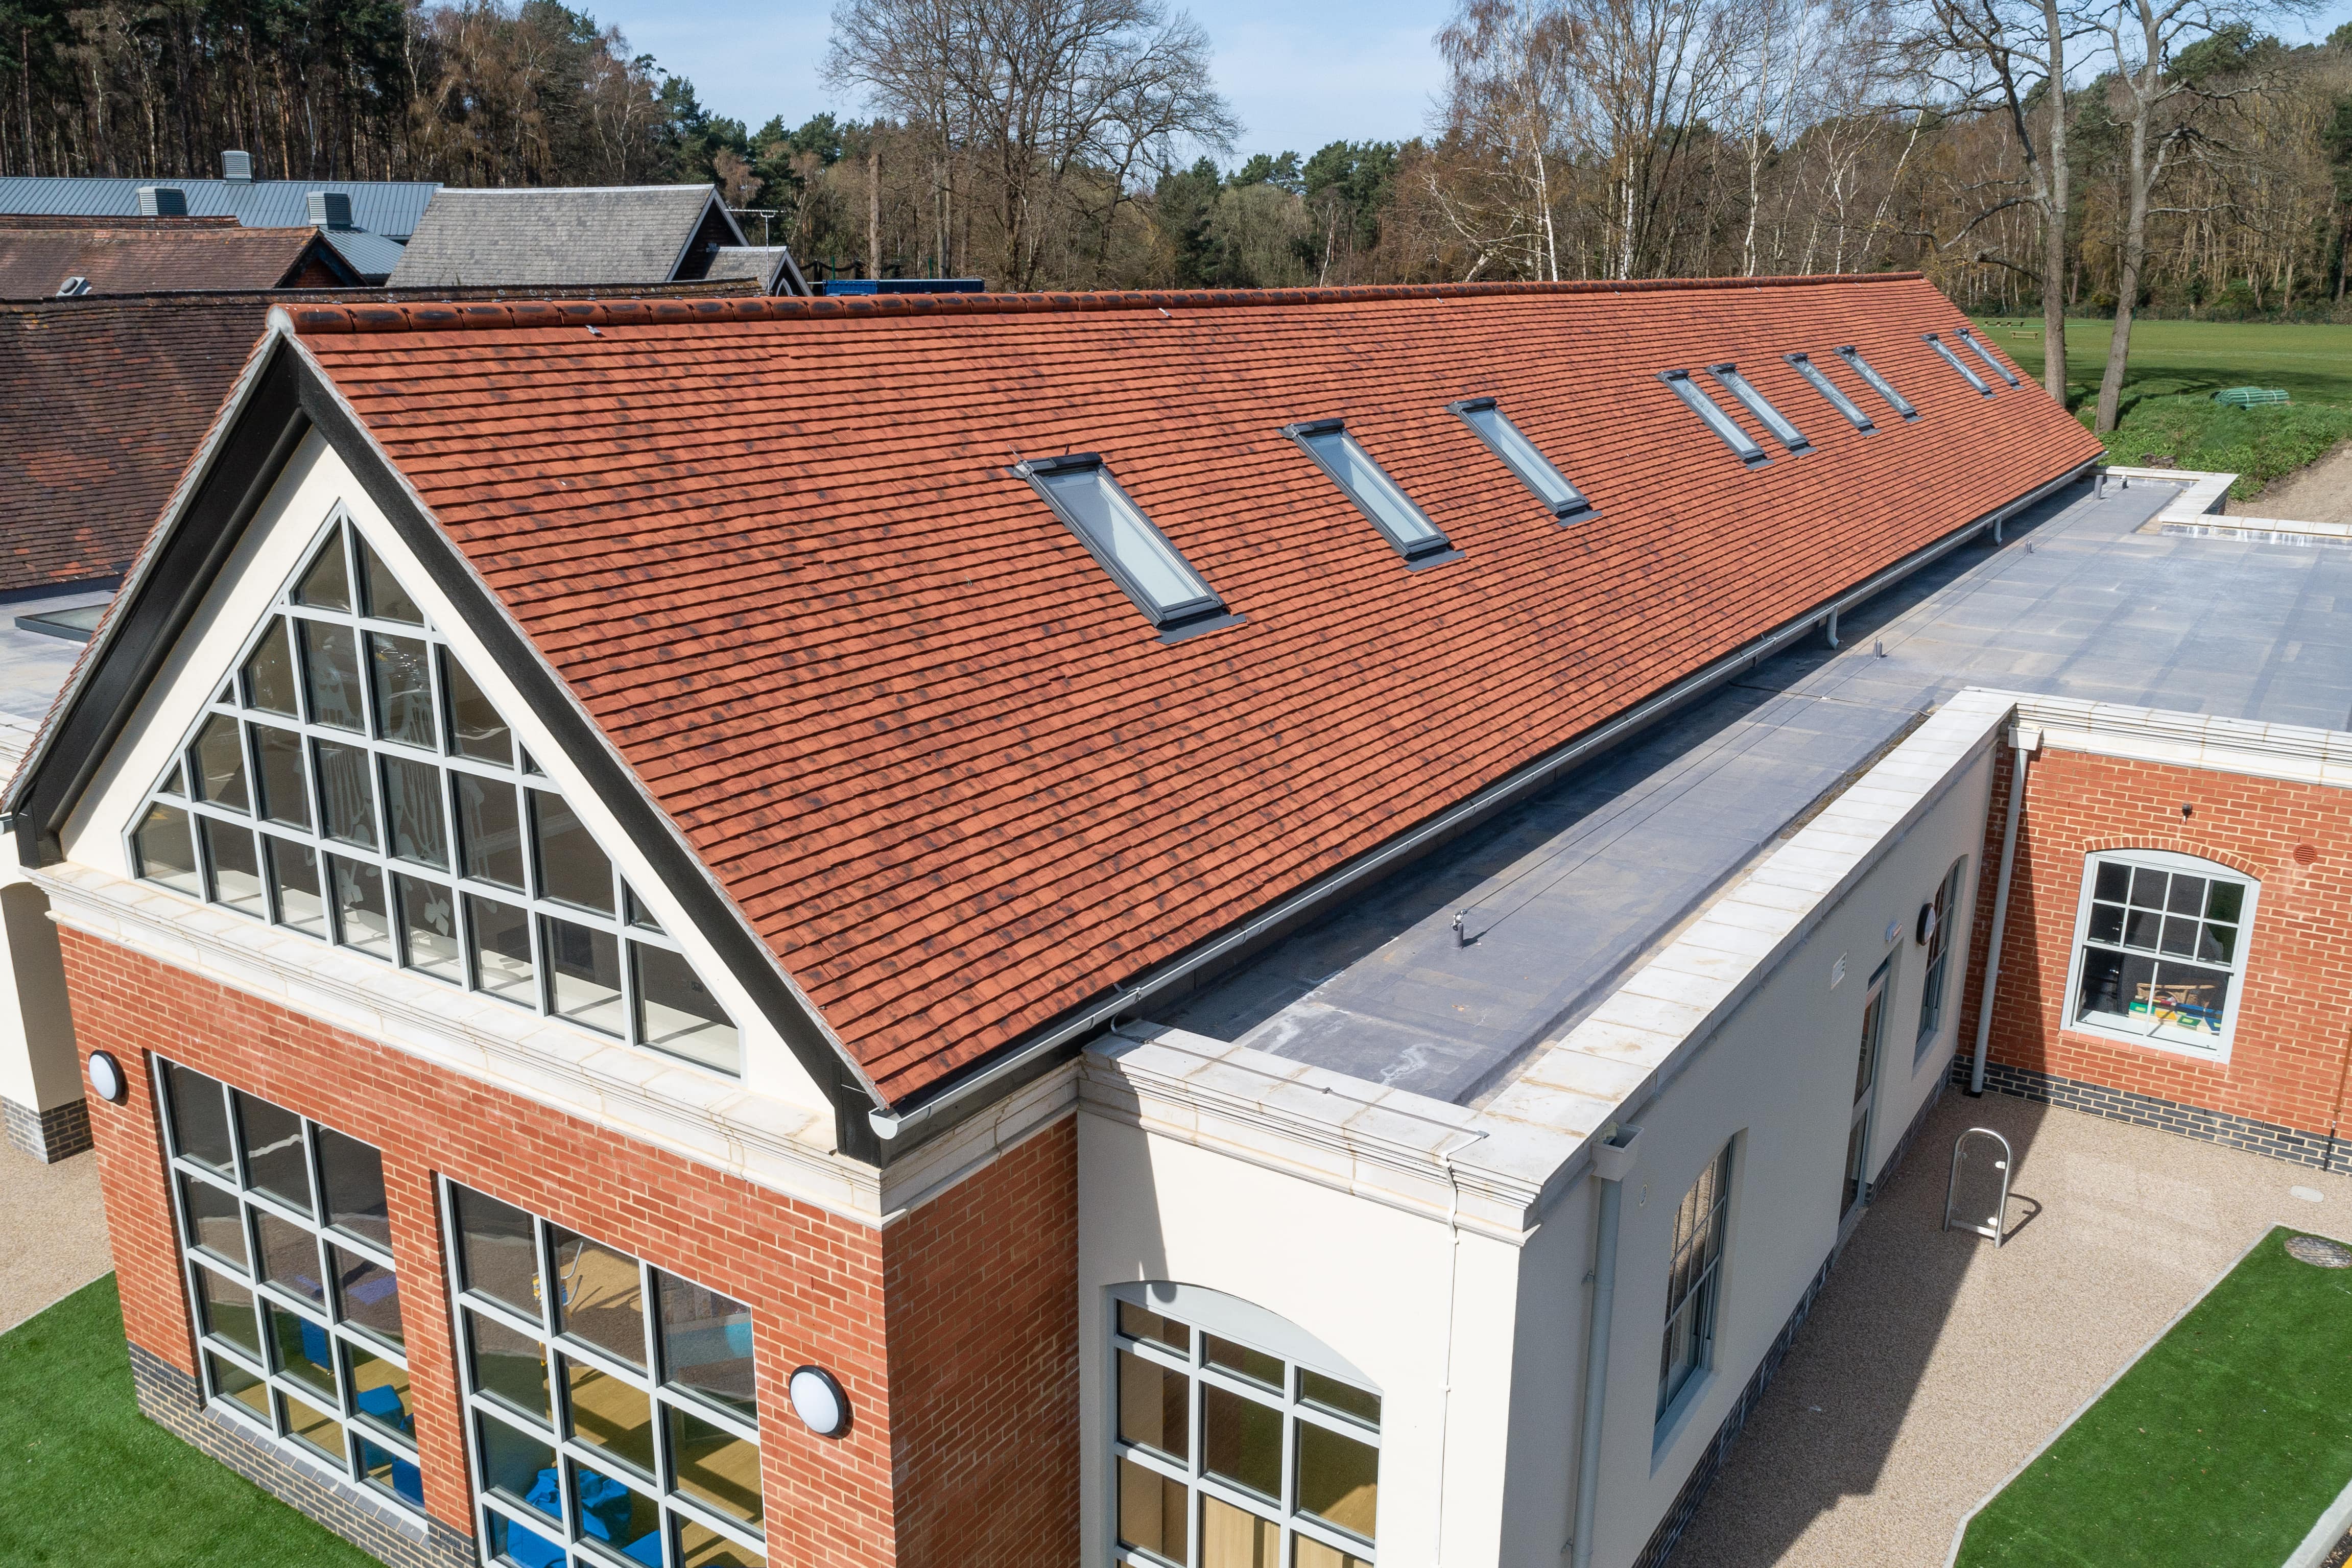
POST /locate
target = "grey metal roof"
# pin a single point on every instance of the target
(372, 256)
(770, 266)
(381, 206)
(1560, 897)
(612, 235)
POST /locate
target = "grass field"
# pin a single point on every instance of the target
(88, 1479)
(2219, 1449)
(2176, 366)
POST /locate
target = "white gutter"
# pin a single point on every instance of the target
(2025, 742)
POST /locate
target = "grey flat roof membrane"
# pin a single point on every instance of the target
(1559, 898)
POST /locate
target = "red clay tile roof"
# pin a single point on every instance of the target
(132, 256)
(944, 766)
(102, 403)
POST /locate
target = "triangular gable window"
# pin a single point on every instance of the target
(355, 784)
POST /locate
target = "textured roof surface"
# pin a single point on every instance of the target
(372, 256)
(101, 403)
(387, 206)
(139, 257)
(618, 235)
(770, 266)
(947, 769)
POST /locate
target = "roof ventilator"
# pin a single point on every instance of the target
(71, 287)
(236, 167)
(329, 209)
(163, 201)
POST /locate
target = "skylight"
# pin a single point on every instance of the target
(1986, 355)
(1821, 383)
(1742, 444)
(1944, 350)
(1788, 435)
(1506, 441)
(1114, 530)
(1377, 496)
(1877, 382)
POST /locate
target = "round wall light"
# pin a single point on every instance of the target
(1924, 931)
(106, 1080)
(818, 1400)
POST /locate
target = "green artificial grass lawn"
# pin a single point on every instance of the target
(88, 1479)
(2219, 1448)
(2176, 367)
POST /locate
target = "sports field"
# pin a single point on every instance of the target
(2177, 366)
(2220, 1447)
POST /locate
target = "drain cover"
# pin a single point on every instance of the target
(2324, 1254)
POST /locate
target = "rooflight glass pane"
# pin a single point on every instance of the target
(325, 584)
(1944, 352)
(404, 689)
(1785, 433)
(1986, 355)
(1830, 393)
(386, 599)
(1369, 486)
(1715, 419)
(269, 673)
(1877, 382)
(475, 728)
(1532, 466)
(1093, 501)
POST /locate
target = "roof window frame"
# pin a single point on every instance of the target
(1877, 382)
(1717, 418)
(1968, 336)
(1417, 554)
(1576, 508)
(1831, 392)
(1173, 620)
(1944, 352)
(1778, 424)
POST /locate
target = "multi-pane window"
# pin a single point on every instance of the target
(1772, 419)
(352, 781)
(610, 1405)
(1743, 445)
(1876, 383)
(288, 1248)
(1989, 358)
(1139, 557)
(1518, 454)
(1379, 498)
(1944, 352)
(2161, 948)
(1692, 1279)
(1816, 378)
(1228, 1456)
(1941, 913)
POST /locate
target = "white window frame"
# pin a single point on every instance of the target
(1703, 1293)
(343, 1334)
(1207, 1312)
(2172, 861)
(628, 925)
(1936, 982)
(674, 1504)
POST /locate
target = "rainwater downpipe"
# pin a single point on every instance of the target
(1612, 1161)
(2019, 741)
(1452, 1284)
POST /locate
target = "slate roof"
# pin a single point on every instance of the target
(385, 207)
(142, 256)
(618, 235)
(101, 403)
(771, 266)
(947, 770)
(372, 256)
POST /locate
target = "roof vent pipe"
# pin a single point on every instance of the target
(329, 209)
(237, 167)
(1612, 1161)
(163, 201)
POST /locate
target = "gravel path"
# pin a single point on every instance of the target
(2317, 492)
(52, 1232)
(1933, 1365)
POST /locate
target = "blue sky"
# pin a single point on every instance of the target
(1299, 74)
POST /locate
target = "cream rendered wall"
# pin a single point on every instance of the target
(1778, 1077)
(1376, 1282)
(275, 545)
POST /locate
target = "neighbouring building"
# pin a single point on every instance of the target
(770, 267)
(611, 236)
(47, 257)
(1174, 930)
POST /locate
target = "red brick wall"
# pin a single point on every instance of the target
(2288, 1054)
(981, 1282)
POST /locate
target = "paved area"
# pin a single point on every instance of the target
(1933, 1365)
(52, 1232)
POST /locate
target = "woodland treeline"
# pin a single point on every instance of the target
(2191, 161)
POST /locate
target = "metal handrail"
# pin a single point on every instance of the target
(1993, 1227)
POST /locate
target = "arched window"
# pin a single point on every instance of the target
(1940, 930)
(1236, 1438)
(2160, 948)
